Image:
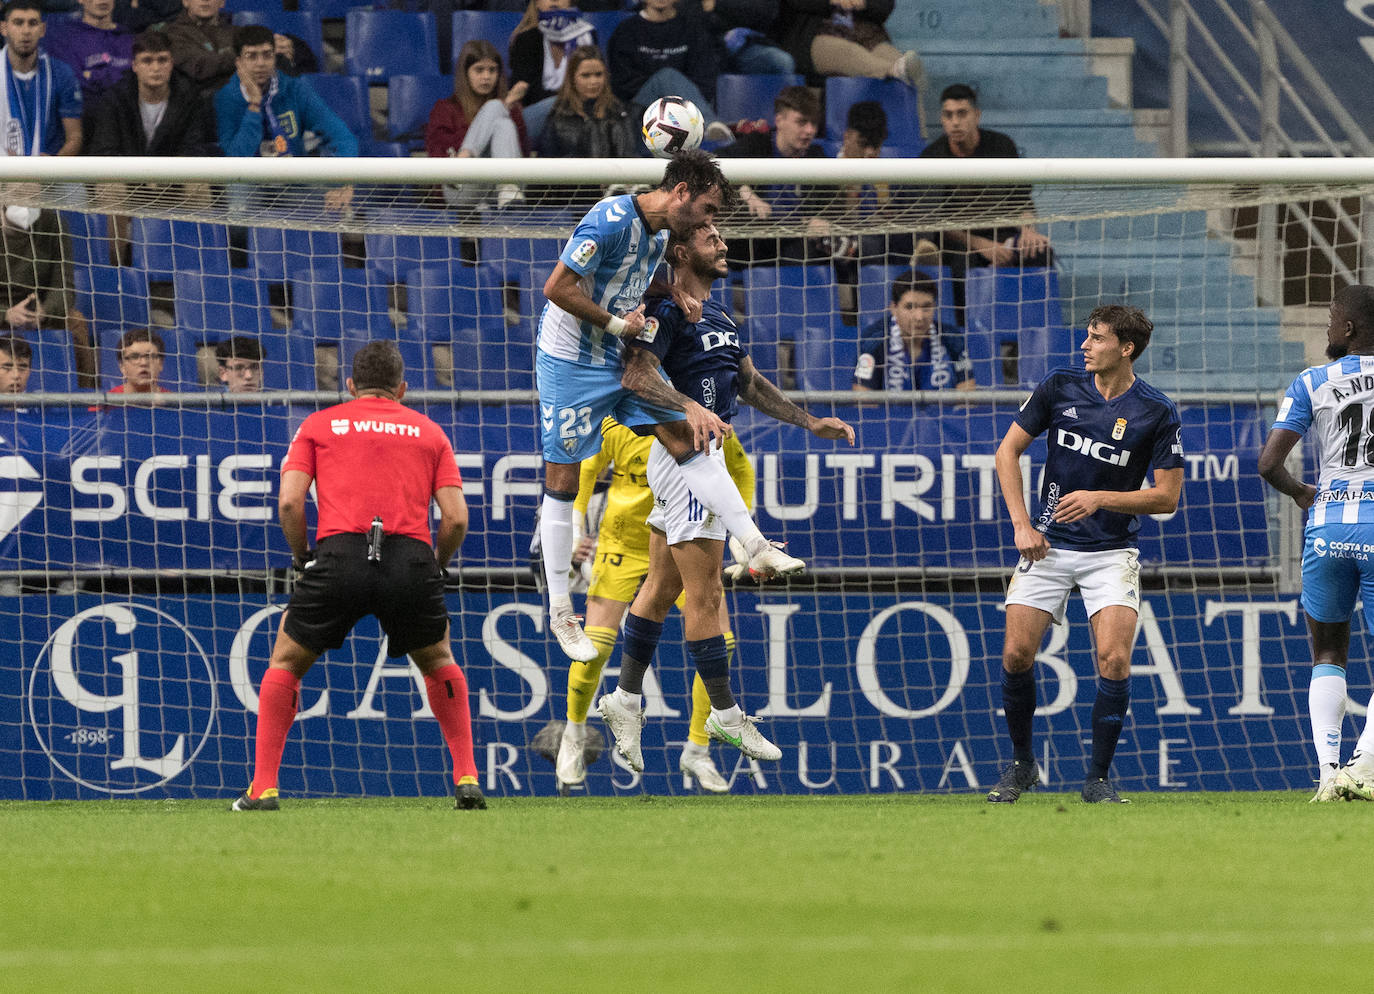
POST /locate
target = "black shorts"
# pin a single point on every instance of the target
(405, 591)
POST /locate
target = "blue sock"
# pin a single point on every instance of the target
(637, 651)
(712, 660)
(1018, 701)
(1109, 712)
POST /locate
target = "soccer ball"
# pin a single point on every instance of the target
(672, 124)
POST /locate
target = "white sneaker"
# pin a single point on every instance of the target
(571, 765)
(700, 767)
(1355, 781)
(769, 561)
(1326, 786)
(507, 194)
(745, 737)
(740, 567)
(567, 628)
(624, 725)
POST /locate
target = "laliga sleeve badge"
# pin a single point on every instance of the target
(649, 332)
(1119, 429)
(864, 370)
(584, 252)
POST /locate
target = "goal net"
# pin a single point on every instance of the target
(143, 574)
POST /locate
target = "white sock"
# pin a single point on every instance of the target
(1326, 706)
(710, 483)
(1366, 743)
(575, 731)
(730, 717)
(627, 699)
(556, 542)
(690, 750)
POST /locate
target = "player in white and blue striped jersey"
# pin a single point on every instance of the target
(1106, 427)
(1334, 406)
(594, 299)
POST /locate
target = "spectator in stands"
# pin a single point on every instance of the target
(587, 120)
(141, 358)
(98, 50)
(845, 38)
(660, 52)
(743, 29)
(202, 38)
(796, 119)
(16, 363)
(240, 364)
(152, 112)
(40, 114)
(540, 48)
(1008, 245)
(263, 113)
(481, 120)
(908, 350)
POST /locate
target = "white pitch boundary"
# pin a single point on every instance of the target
(338, 171)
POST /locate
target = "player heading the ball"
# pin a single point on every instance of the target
(1106, 427)
(594, 299)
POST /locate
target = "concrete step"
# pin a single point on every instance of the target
(998, 92)
(913, 25)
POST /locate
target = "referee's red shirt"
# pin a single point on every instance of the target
(371, 457)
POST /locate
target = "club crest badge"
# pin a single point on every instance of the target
(1119, 429)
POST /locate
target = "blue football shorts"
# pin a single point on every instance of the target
(573, 400)
(1338, 567)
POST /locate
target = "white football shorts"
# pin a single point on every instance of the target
(1105, 579)
(676, 513)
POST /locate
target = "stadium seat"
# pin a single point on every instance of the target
(899, 100)
(419, 362)
(605, 22)
(825, 362)
(347, 97)
(273, 252)
(332, 10)
(786, 303)
(112, 296)
(90, 237)
(446, 306)
(1019, 307)
(226, 305)
(379, 43)
(54, 363)
(303, 24)
(326, 308)
(257, 7)
(494, 26)
(162, 247)
(744, 97)
(408, 103)
(392, 254)
(524, 263)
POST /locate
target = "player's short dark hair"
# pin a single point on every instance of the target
(240, 347)
(16, 348)
(959, 91)
(378, 366)
(868, 118)
(914, 281)
(1129, 324)
(701, 173)
(151, 40)
(801, 99)
(135, 335)
(14, 5)
(1357, 304)
(252, 34)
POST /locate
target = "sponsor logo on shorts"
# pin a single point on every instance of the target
(1343, 550)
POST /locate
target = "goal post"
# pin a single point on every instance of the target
(142, 572)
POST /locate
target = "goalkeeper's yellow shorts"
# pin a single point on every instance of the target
(617, 573)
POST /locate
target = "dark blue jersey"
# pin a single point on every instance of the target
(702, 360)
(1098, 444)
(940, 363)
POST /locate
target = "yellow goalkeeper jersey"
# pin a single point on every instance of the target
(629, 500)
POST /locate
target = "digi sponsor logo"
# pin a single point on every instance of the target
(1100, 451)
(122, 698)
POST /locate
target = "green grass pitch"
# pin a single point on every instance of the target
(1183, 892)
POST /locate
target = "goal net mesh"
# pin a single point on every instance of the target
(143, 574)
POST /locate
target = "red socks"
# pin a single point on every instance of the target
(277, 702)
(448, 699)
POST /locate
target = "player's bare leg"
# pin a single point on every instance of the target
(1026, 628)
(447, 690)
(1113, 630)
(710, 483)
(278, 700)
(556, 541)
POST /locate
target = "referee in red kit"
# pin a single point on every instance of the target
(375, 465)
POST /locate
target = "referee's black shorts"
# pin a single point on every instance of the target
(405, 591)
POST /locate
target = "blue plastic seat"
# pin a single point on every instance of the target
(224, 304)
(162, 247)
(392, 254)
(89, 236)
(328, 305)
(1019, 307)
(332, 9)
(899, 100)
(259, 7)
(274, 252)
(346, 97)
(303, 24)
(54, 362)
(447, 306)
(749, 97)
(409, 101)
(381, 43)
(826, 363)
(605, 22)
(494, 26)
(112, 296)
(419, 365)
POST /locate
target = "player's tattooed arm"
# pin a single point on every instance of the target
(759, 393)
(642, 375)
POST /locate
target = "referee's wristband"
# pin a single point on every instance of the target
(616, 326)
